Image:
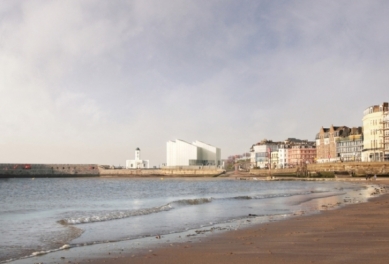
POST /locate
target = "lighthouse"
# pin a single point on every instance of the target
(137, 154)
(137, 163)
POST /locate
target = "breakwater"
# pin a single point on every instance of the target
(165, 172)
(19, 170)
(12, 170)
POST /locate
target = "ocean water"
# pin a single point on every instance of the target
(39, 216)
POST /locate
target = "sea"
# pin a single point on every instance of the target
(44, 216)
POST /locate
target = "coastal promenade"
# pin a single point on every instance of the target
(328, 170)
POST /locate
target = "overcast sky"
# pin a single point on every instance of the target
(90, 81)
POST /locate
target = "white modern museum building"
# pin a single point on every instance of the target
(182, 153)
(137, 163)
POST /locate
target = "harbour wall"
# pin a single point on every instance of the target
(267, 172)
(355, 168)
(163, 172)
(19, 170)
(11, 170)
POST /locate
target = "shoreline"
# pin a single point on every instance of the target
(273, 242)
(357, 233)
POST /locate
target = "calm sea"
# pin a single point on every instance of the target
(38, 216)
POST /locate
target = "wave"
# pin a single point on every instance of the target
(114, 215)
(192, 201)
(38, 253)
(278, 195)
(81, 218)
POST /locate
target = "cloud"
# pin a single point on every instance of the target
(91, 81)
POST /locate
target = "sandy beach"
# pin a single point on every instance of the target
(357, 233)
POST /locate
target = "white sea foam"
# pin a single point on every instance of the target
(39, 253)
(44, 252)
(115, 215)
(107, 216)
(66, 246)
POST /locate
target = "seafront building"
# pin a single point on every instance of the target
(302, 152)
(339, 143)
(260, 153)
(376, 133)
(283, 155)
(333, 144)
(182, 153)
(290, 152)
(137, 163)
(274, 159)
(349, 147)
(326, 143)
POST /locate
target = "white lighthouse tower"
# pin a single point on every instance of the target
(137, 154)
(137, 163)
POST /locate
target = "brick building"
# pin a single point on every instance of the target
(301, 153)
(326, 143)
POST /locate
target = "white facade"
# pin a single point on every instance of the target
(209, 154)
(282, 156)
(182, 153)
(261, 154)
(137, 163)
(374, 133)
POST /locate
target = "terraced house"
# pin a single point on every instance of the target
(326, 143)
(304, 152)
(288, 153)
(349, 146)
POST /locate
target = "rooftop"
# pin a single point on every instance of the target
(376, 108)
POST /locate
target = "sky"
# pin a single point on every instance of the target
(90, 81)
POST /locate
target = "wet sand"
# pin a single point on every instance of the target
(357, 233)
